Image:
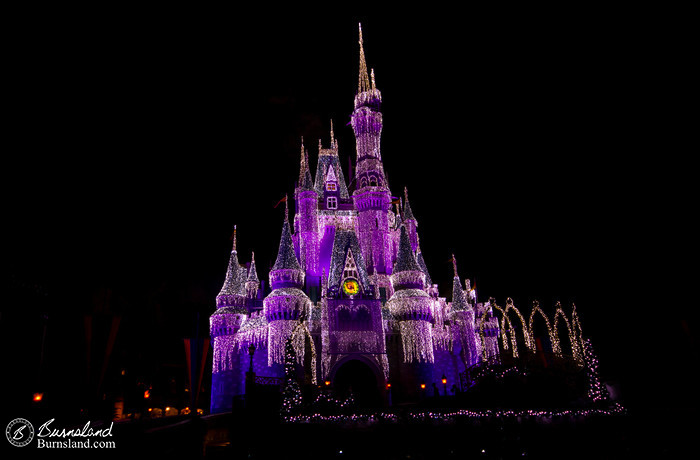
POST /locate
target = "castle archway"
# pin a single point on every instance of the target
(360, 376)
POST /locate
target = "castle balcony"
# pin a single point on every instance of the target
(371, 99)
(236, 301)
(286, 304)
(372, 197)
(225, 321)
(411, 304)
(282, 278)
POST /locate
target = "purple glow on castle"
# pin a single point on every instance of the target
(350, 285)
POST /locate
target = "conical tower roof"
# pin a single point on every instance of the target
(423, 267)
(286, 258)
(407, 212)
(328, 158)
(305, 180)
(232, 283)
(231, 298)
(407, 273)
(405, 260)
(252, 272)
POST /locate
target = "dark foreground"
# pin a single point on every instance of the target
(653, 434)
(635, 434)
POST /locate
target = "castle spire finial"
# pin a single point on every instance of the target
(286, 208)
(302, 164)
(454, 265)
(233, 237)
(332, 136)
(363, 84)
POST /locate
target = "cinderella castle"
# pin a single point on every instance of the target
(350, 289)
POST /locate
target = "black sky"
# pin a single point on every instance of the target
(523, 138)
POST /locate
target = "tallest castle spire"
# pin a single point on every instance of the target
(367, 93)
(363, 84)
(371, 197)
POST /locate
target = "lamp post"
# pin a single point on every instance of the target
(444, 383)
(250, 380)
(251, 352)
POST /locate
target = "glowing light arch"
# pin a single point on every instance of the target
(573, 336)
(556, 348)
(511, 329)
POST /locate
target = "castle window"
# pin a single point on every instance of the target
(331, 186)
(373, 181)
(332, 202)
(363, 320)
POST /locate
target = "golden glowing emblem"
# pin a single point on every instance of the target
(351, 287)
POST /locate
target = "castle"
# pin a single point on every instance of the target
(350, 287)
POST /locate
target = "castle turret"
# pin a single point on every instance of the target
(372, 196)
(306, 221)
(411, 305)
(224, 323)
(461, 316)
(328, 160)
(252, 283)
(287, 304)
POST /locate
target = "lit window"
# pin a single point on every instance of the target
(332, 202)
(331, 186)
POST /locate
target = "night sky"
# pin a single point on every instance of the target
(523, 139)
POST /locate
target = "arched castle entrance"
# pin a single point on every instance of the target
(360, 375)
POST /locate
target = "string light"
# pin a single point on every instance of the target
(552, 336)
(451, 416)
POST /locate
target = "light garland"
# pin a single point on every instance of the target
(451, 416)
(291, 393)
(253, 332)
(417, 341)
(596, 390)
(226, 353)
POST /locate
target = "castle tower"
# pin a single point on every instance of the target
(411, 305)
(306, 223)
(224, 323)
(372, 197)
(328, 160)
(335, 207)
(287, 305)
(252, 283)
(462, 316)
